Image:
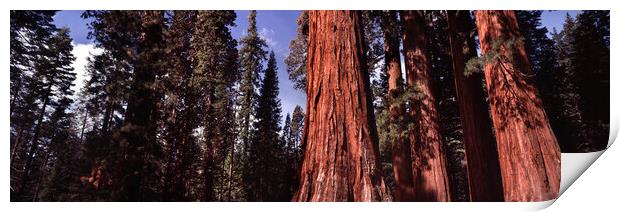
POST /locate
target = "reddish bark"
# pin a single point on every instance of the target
(429, 160)
(529, 154)
(485, 182)
(340, 139)
(401, 147)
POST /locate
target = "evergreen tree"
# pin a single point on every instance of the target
(339, 32)
(296, 59)
(447, 105)
(518, 116)
(30, 33)
(214, 76)
(266, 149)
(428, 151)
(251, 56)
(297, 126)
(590, 60)
(286, 133)
(177, 122)
(137, 38)
(54, 77)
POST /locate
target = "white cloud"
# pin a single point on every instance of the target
(82, 52)
(267, 35)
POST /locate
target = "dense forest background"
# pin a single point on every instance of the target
(176, 109)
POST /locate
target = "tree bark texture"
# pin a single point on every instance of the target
(401, 147)
(528, 151)
(428, 155)
(485, 182)
(340, 138)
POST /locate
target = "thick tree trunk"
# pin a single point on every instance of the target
(340, 138)
(528, 151)
(485, 182)
(429, 160)
(401, 147)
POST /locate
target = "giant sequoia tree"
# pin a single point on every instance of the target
(428, 156)
(482, 163)
(401, 148)
(528, 151)
(340, 139)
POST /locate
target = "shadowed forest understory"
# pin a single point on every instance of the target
(401, 106)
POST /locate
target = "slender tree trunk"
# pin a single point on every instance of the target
(35, 144)
(17, 144)
(230, 171)
(208, 162)
(40, 178)
(83, 127)
(340, 138)
(428, 155)
(401, 147)
(107, 116)
(485, 182)
(529, 154)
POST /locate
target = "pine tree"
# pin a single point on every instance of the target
(214, 76)
(135, 37)
(177, 120)
(251, 56)
(267, 150)
(297, 126)
(54, 76)
(570, 128)
(30, 35)
(296, 60)
(286, 133)
(590, 59)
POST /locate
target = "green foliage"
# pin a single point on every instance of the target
(501, 52)
(251, 56)
(266, 178)
(296, 60)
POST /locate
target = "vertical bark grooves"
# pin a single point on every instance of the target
(401, 147)
(528, 150)
(485, 183)
(340, 140)
(429, 160)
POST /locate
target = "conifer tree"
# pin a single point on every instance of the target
(329, 125)
(483, 175)
(214, 76)
(30, 33)
(55, 77)
(267, 150)
(430, 176)
(528, 152)
(251, 56)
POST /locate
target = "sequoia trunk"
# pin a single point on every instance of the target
(401, 147)
(429, 160)
(340, 138)
(529, 155)
(485, 182)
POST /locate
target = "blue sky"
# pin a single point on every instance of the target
(276, 27)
